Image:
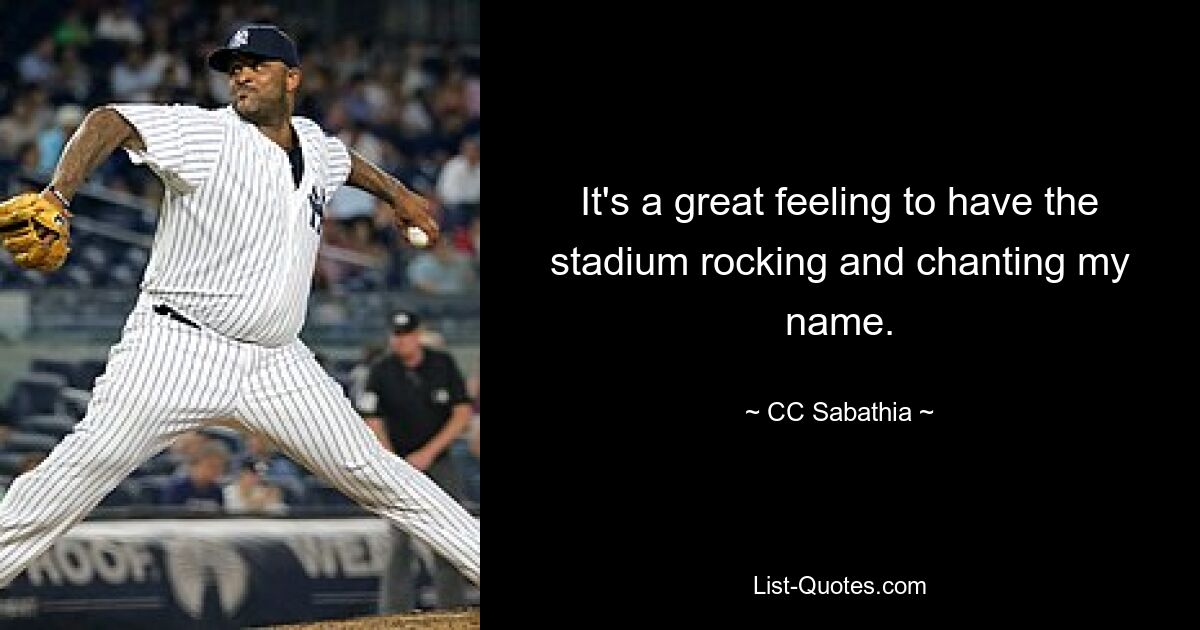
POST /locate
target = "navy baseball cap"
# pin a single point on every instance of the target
(262, 40)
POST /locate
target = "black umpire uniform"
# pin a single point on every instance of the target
(416, 401)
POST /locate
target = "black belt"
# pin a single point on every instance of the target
(163, 309)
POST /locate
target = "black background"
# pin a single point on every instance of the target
(633, 485)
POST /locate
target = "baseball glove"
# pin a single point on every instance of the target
(36, 231)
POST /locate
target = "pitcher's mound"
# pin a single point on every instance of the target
(441, 620)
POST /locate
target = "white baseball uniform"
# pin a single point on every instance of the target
(214, 335)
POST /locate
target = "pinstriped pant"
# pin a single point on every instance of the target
(165, 378)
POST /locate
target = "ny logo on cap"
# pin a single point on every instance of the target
(239, 39)
(401, 319)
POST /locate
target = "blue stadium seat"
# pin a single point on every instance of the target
(27, 442)
(123, 276)
(33, 278)
(320, 493)
(10, 463)
(54, 425)
(87, 372)
(150, 488)
(65, 369)
(94, 257)
(35, 393)
(73, 403)
(77, 276)
(127, 493)
(161, 464)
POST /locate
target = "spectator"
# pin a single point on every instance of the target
(467, 241)
(450, 97)
(316, 86)
(134, 79)
(75, 78)
(72, 31)
(37, 65)
(356, 101)
(458, 185)
(459, 180)
(350, 204)
(269, 462)
(200, 489)
(50, 142)
(375, 87)
(29, 157)
(22, 125)
(416, 79)
(349, 59)
(442, 271)
(185, 448)
(471, 95)
(355, 236)
(116, 24)
(250, 494)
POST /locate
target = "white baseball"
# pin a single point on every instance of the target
(417, 236)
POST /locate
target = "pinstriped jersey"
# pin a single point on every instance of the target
(237, 239)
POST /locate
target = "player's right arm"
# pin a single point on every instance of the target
(102, 131)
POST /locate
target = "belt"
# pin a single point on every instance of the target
(163, 309)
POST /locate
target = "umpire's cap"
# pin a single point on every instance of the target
(263, 40)
(404, 321)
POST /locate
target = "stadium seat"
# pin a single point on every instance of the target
(87, 372)
(65, 369)
(127, 493)
(35, 393)
(10, 463)
(28, 442)
(73, 402)
(76, 276)
(34, 278)
(161, 464)
(123, 276)
(53, 425)
(319, 493)
(150, 488)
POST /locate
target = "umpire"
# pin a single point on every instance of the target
(415, 400)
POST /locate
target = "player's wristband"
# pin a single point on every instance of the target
(57, 195)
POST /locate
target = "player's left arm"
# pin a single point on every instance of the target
(409, 207)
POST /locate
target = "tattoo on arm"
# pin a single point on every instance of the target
(371, 178)
(102, 131)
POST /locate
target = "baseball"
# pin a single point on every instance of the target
(417, 236)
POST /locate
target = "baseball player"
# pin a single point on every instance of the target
(214, 330)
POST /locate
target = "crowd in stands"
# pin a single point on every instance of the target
(410, 106)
